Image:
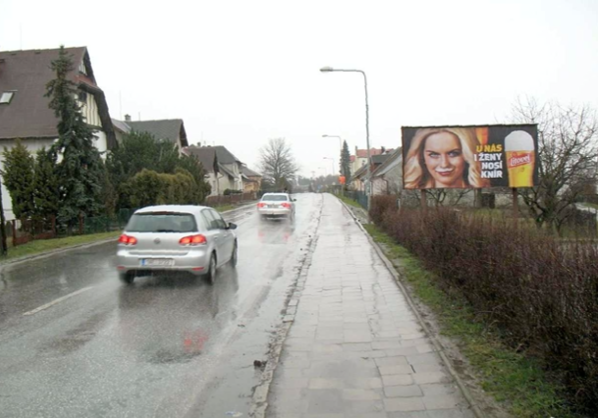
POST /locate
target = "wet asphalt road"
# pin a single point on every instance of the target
(164, 347)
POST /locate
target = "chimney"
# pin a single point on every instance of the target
(127, 118)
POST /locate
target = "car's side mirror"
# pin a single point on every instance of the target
(294, 200)
(232, 225)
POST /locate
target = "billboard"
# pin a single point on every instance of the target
(463, 157)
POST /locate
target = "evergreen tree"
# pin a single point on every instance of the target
(45, 185)
(80, 170)
(18, 179)
(193, 166)
(346, 162)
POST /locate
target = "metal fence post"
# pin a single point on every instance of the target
(80, 224)
(14, 233)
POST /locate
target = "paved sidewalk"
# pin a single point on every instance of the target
(356, 348)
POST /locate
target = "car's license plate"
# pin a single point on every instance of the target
(272, 206)
(159, 262)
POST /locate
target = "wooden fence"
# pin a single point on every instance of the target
(230, 199)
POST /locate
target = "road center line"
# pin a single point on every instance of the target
(54, 302)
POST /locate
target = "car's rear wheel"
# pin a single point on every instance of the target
(126, 277)
(212, 271)
(234, 256)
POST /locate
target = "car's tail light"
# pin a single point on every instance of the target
(193, 240)
(261, 205)
(127, 240)
(286, 205)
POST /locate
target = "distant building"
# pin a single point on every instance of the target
(361, 157)
(252, 181)
(359, 178)
(224, 171)
(387, 178)
(172, 130)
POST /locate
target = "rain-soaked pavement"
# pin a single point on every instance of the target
(75, 342)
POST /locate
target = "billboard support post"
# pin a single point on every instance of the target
(515, 204)
(423, 199)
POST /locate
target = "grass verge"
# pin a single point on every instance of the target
(350, 201)
(45, 245)
(224, 208)
(516, 381)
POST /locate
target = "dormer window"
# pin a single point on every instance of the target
(6, 97)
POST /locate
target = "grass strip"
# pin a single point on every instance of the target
(350, 201)
(44, 245)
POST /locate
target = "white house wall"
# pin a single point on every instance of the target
(101, 142)
(89, 110)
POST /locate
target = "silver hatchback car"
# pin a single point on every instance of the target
(193, 239)
(276, 205)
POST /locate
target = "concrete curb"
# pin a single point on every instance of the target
(439, 348)
(63, 250)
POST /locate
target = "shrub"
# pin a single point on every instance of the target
(382, 204)
(540, 291)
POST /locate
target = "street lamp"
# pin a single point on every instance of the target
(367, 117)
(340, 143)
(332, 161)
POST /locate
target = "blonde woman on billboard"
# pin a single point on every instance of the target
(443, 158)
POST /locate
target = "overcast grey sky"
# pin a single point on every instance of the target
(240, 72)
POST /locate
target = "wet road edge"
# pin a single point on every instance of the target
(260, 404)
(427, 330)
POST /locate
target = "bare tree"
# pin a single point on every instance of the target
(567, 156)
(277, 163)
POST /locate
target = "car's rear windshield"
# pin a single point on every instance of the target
(162, 222)
(275, 197)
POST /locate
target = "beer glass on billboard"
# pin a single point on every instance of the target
(519, 147)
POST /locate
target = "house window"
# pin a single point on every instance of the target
(6, 97)
(83, 96)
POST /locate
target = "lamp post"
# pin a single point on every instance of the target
(340, 141)
(332, 162)
(367, 117)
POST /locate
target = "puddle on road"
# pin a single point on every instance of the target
(77, 337)
(169, 357)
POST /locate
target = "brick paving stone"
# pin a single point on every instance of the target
(355, 349)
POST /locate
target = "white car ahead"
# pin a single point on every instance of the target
(276, 205)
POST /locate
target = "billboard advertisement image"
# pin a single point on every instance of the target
(462, 157)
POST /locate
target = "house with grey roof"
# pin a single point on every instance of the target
(209, 161)
(360, 177)
(172, 130)
(24, 111)
(387, 178)
(226, 173)
(252, 181)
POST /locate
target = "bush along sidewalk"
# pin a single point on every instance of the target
(524, 305)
